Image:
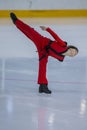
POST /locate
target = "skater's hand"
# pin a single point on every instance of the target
(43, 28)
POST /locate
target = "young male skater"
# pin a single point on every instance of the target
(46, 47)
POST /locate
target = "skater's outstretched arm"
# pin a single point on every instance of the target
(55, 36)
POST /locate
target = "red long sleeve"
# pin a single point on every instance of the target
(56, 37)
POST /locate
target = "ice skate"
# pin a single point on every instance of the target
(13, 17)
(43, 88)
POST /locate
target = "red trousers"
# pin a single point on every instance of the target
(40, 43)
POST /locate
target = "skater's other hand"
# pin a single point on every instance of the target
(43, 28)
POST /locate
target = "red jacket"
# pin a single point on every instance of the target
(57, 47)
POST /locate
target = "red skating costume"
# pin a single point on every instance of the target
(45, 47)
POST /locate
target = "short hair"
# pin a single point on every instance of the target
(73, 47)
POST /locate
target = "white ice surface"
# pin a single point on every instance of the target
(21, 106)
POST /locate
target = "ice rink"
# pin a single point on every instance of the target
(21, 106)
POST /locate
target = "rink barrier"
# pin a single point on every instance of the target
(45, 13)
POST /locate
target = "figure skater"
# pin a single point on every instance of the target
(46, 47)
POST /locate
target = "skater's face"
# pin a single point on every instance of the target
(71, 52)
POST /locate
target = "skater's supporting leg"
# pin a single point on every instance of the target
(42, 71)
